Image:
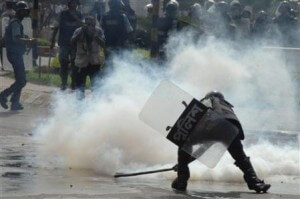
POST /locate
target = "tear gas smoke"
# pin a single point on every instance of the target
(103, 132)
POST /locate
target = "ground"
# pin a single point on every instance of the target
(21, 178)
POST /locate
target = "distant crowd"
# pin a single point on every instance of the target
(87, 37)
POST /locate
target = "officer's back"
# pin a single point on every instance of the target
(167, 23)
(115, 25)
(69, 21)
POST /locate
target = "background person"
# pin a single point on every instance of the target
(69, 20)
(89, 41)
(16, 44)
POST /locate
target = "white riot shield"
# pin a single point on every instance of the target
(28, 54)
(189, 124)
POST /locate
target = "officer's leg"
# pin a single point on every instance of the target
(94, 74)
(80, 82)
(64, 62)
(20, 75)
(19, 70)
(243, 162)
(72, 54)
(8, 91)
(183, 171)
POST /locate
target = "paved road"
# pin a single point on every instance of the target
(21, 178)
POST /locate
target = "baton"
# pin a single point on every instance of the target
(120, 174)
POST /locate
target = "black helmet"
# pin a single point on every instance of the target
(196, 9)
(222, 7)
(172, 6)
(236, 3)
(149, 8)
(216, 94)
(115, 4)
(284, 7)
(262, 15)
(22, 5)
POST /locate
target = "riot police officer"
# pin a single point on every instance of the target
(242, 25)
(16, 44)
(69, 20)
(286, 25)
(221, 22)
(261, 25)
(216, 101)
(116, 27)
(167, 24)
(10, 13)
(99, 9)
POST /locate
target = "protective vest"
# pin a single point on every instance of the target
(224, 108)
(164, 26)
(88, 53)
(114, 28)
(11, 45)
(67, 25)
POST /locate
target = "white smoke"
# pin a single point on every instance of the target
(103, 132)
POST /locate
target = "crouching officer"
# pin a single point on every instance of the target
(89, 41)
(16, 44)
(216, 101)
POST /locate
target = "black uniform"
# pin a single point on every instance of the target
(221, 106)
(288, 28)
(261, 26)
(165, 26)
(15, 52)
(68, 22)
(117, 28)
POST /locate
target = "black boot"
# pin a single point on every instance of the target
(3, 101)
(250, 177)
(16, 106)
(179, 184)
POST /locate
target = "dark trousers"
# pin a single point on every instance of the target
(235, 149)
(91, 71)
(67, 56)
(16, 60)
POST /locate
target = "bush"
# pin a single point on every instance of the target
(43, 42)
(55, 62)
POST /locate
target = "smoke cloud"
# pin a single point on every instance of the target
(103, 132)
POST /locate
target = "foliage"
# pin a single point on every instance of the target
(47, 79)
(43, 42)
(43, 79)
(55, 62)
(142, 52)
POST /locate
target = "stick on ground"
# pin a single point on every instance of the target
(118, 174)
